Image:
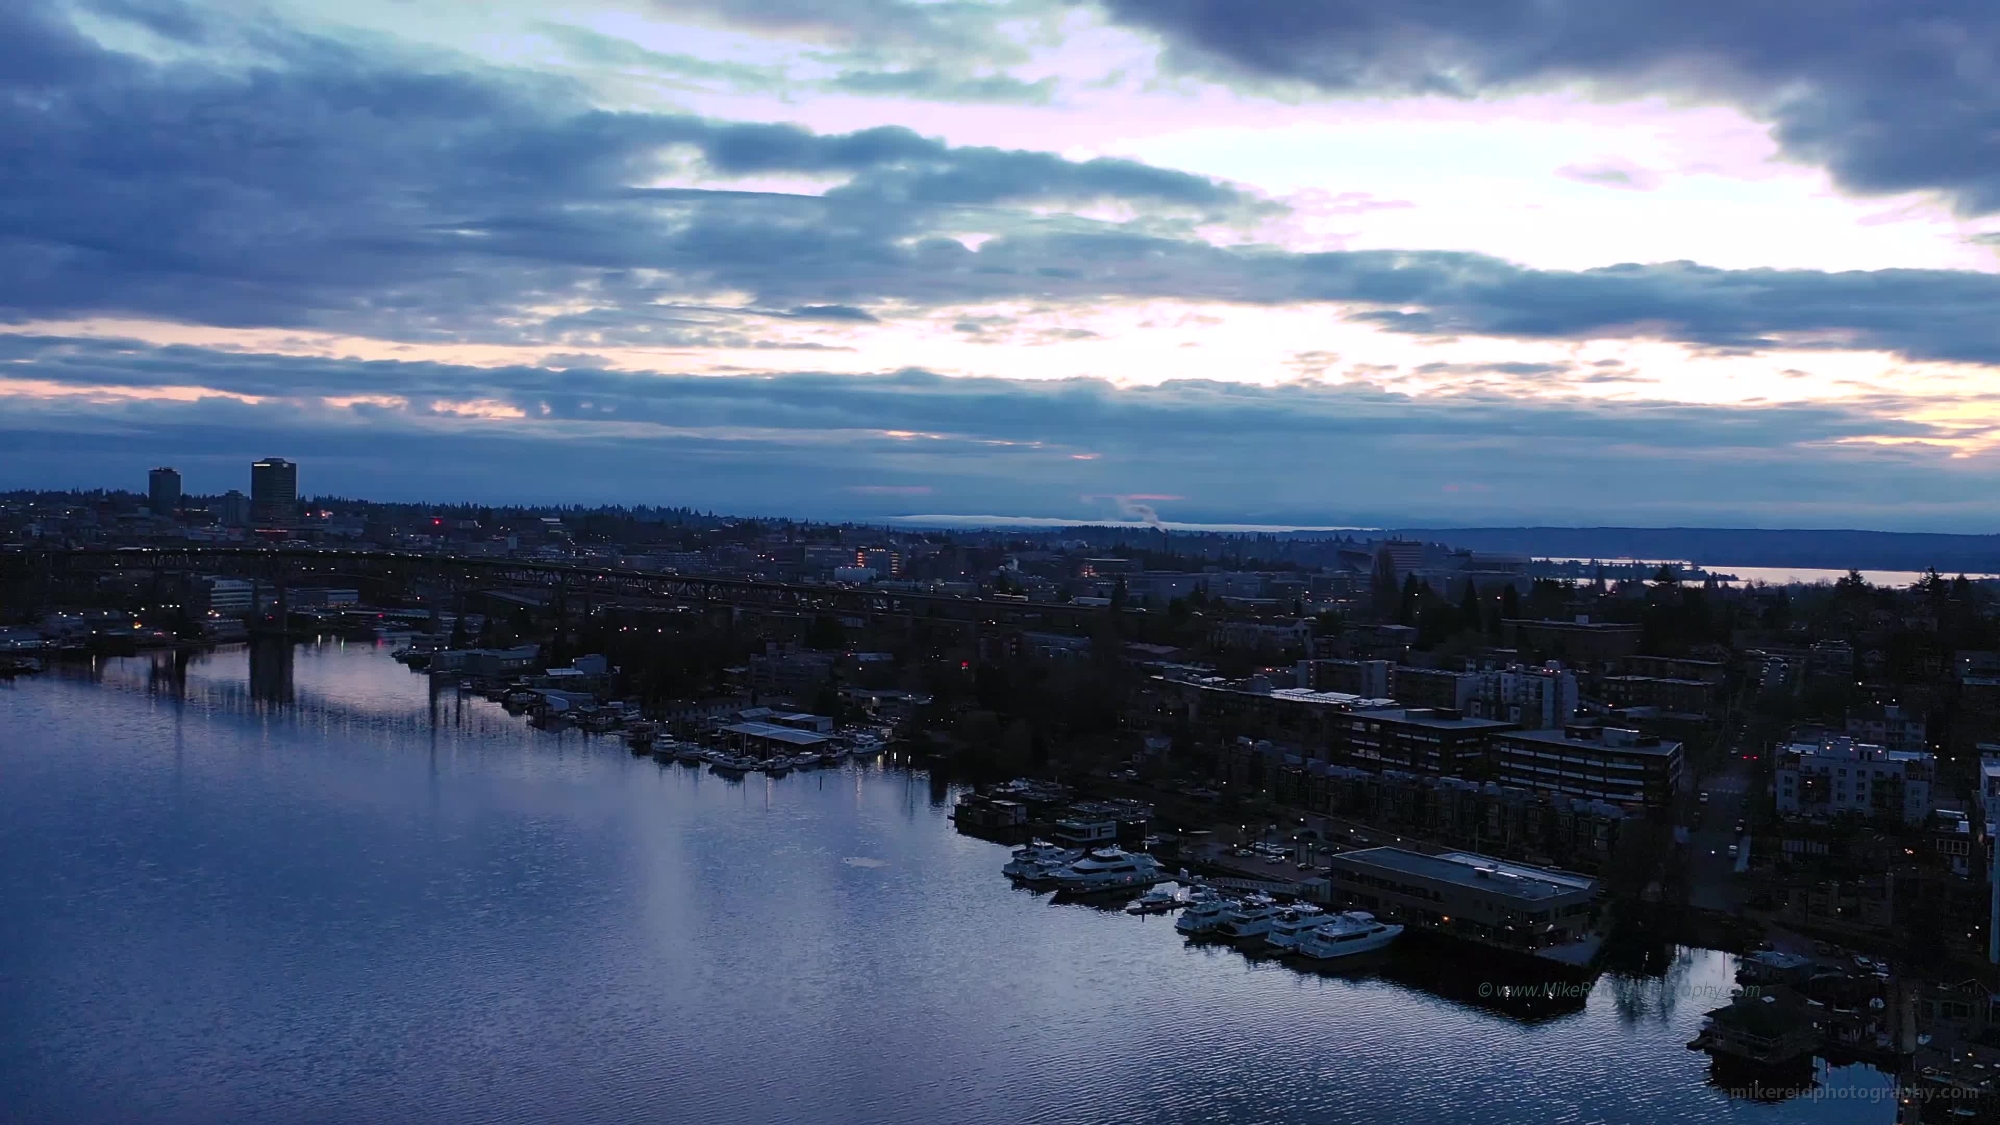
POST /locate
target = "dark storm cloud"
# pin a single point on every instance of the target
(1889, 95)
(808, 442)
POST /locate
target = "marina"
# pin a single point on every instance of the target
(572, 926)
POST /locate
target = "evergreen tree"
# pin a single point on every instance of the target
(1406, 610)
(1510, 603)
(1382, 584)
(1468, 609)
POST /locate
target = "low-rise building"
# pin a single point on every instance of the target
(770, 738)
(1473, 896)
(1439, 741)
(1579, 641)
(1838, 775)
(1371, 678)
(1596, 763)
(1683, 696)
(1889, 726)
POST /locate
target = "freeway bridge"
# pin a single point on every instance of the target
(309, 565)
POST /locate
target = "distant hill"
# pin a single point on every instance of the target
(1723, 546)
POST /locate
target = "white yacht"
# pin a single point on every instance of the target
(1204, 914)
(1253, 917)
(1292, 925)
(1345, 935)
(1109, 869)
(1159, 900)
(1038, 861)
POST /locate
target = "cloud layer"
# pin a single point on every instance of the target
(914, 441)
(173, 172)
(1889, 96)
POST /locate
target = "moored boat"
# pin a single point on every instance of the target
(1346, 935)
(1291, 925)
(1252, 918)
(1203, 914)
(1038, 861)
(1159, 900)
(1108, 869)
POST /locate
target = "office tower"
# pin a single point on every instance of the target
(163, 491)
(235, 509)
(274, 492)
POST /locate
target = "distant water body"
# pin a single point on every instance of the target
(1783, 575)
(1052, 522)
(307, 888)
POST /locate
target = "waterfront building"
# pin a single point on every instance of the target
(274, 492)
(770, 738)
(1077, 832)
(163, 491)
(1474, 897)
(1595, 763)
(1838, 775)
(225, 595)
(1769, 1027)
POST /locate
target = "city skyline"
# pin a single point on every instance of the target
(1019, 259)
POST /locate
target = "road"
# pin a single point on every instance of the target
(1713, 881)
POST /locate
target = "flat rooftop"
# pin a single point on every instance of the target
(1464, 869)
(1336, 698)
(775, 733)
(1418, 716)
(1558, 739)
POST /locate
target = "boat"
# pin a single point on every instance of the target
(1252, 918)
(732, 765)
(1038, 861)
(1346, 935)
(1159, 900)
(777, 766)
(686, 753)
(1293, 924)
(1204, 913)
(640, 733)
(1108, 869)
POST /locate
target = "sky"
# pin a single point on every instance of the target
(1442, 262)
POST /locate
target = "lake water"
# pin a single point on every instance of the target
(1787, 575)
(311, 890)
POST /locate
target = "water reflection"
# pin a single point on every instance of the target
(373, 900)
(166, 672)
(271, 669)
